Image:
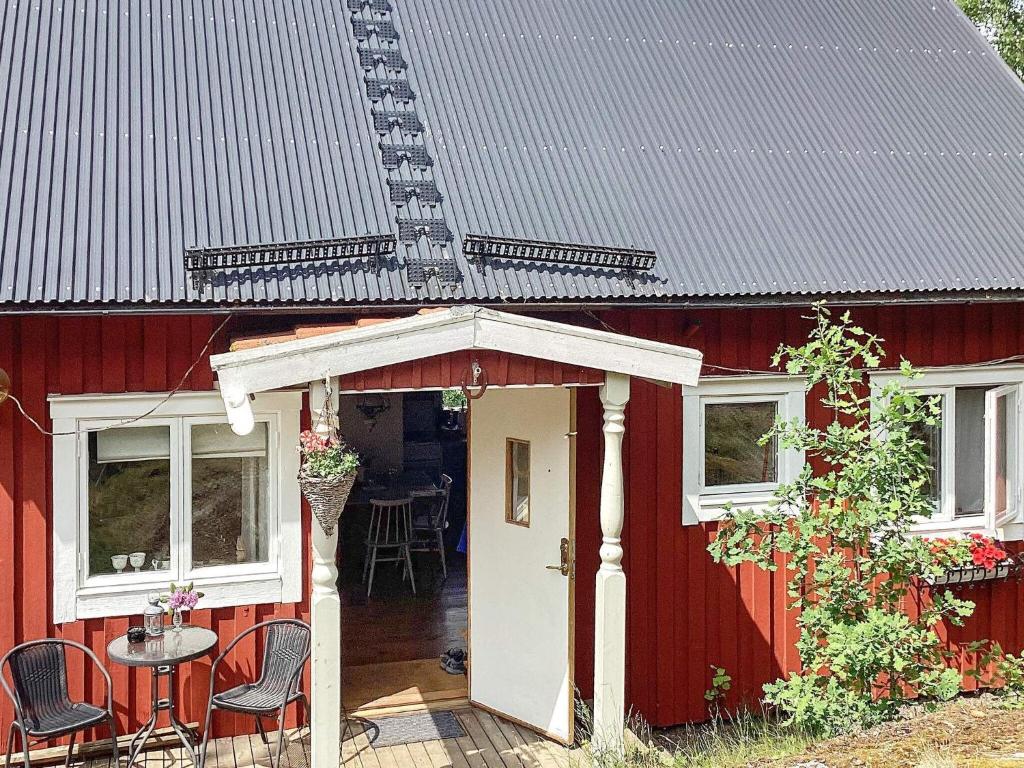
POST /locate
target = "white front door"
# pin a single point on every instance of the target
(520, 519)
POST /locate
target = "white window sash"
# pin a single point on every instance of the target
(995, 518)
(188, 571)
(129, 576)
(707, 503)
(735, 488)
(75, 597)
(945, 381)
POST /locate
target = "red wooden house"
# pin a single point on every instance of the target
(251, 208)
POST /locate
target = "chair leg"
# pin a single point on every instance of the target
(262, 730)
(115, 753)
(440, 550)
(280, 736)
(71, 749)
(408, 564)
(10, 746)
(366, 562)
(373, 567)
(24, 746)
(309, 712)
(206, 735)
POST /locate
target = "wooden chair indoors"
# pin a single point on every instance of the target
(429, 526)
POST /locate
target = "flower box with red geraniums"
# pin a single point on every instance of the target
(968, 560)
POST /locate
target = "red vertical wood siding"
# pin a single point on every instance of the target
(111, 354)
(685, 613)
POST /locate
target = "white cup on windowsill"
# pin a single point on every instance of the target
(137, 559)
(119, 562)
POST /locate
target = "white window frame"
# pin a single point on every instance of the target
(707, 504)
(944, 381)
(78, 596)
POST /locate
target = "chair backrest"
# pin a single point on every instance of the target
(285, 652)
(40, 676)
(390, 522)
(441, 515)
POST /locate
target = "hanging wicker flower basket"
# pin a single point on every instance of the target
(327, 497)
(329, 467)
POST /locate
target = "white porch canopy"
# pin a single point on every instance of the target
(312, 361)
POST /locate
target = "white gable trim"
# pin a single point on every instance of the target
(457, 329)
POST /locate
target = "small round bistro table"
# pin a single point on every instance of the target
(163, 655)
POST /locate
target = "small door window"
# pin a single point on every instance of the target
(517, 482)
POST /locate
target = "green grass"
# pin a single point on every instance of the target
(733, 743)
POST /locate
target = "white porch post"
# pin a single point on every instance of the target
(610, 602)
(325, 618)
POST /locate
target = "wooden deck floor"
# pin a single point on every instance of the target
(490, 742)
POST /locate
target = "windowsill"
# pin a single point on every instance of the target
(710, 507)
(106, 601)
(965, 526)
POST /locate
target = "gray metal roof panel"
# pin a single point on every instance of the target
(789, 147)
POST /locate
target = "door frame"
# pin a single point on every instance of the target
(571, 437)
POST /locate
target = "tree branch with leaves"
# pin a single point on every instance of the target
(846, 536)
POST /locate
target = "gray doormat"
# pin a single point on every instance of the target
(410, 729)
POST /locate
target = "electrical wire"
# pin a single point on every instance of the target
(219, 328)
(181, 383)
(728, 369)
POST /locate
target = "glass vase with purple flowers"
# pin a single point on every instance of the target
(181, 598)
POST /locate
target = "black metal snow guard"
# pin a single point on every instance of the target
(201, 262)
(968, 575)
(482, 247)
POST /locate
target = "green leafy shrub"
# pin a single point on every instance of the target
(721, 683)
(846, 537)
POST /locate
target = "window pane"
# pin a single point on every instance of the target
(732, 455)
(1006, 439)
(970, 451)
(230, 491)
(517, 482)
(931, 436)
(129, 499)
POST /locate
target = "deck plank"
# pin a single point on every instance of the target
(505, 749)
(491, 753)
(489, 742)
(446, 754)
(420, 758)
(484, 755)
(550, 754)
(527, 753)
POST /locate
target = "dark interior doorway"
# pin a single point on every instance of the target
(394, 642)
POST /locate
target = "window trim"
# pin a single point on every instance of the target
(277, 581)
(510, 474)
(707, 504)
(944, 381)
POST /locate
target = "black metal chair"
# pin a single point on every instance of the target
(43, 708)
(285, 653)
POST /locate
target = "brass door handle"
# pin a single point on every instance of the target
(564, 566)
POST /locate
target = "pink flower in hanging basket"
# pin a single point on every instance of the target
(326, 456)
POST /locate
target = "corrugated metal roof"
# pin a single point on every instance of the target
(788, 147)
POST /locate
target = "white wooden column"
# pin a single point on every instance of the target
(610, 603)
(325, 618)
